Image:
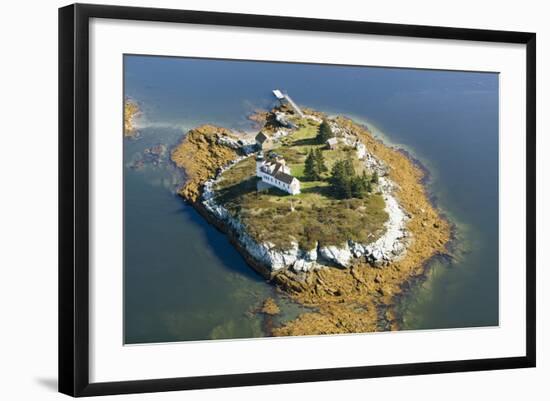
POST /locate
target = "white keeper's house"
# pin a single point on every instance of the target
(274, 171)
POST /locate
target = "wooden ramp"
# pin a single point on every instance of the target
(283, 96)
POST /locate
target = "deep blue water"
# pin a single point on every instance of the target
(184, 281)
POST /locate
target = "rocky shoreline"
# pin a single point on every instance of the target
(370, 275)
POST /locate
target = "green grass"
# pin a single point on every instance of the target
(297, 146)
(313, 216)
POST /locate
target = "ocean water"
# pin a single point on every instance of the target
(184, 281)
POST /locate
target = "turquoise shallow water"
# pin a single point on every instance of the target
(184, 281)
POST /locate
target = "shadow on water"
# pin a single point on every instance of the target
(219, 243)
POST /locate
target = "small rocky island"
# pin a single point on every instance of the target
(131, 111)
(335, 218)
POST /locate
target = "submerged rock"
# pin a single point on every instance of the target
(270, 307)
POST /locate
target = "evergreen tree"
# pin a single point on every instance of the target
(368, 183)
(324, 133)
(346, 183)
(357, 187)
(314, 165)
(320, 165)
(310, 170)
(349, 170)
(347, 190)
(337, 178)
(369, 187)
(341, 178)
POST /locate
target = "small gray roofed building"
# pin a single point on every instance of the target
(261, 137)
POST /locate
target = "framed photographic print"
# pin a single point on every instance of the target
(250, 199)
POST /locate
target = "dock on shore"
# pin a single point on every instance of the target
(284, 97)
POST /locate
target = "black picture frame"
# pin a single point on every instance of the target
(74, 198)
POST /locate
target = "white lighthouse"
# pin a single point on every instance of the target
(276, 173)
